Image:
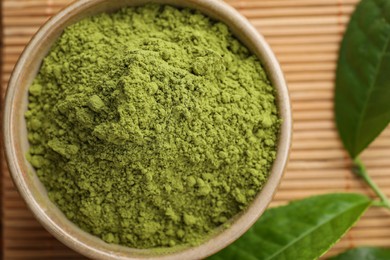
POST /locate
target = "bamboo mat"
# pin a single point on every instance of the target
(305, 36)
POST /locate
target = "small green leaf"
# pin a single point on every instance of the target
(362, 100)
(304, 229)
(364, 253)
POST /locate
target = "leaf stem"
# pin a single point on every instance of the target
(360, 170)
(379, 203)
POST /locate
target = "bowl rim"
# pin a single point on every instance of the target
(224, 238)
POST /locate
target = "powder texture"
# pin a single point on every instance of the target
(152, 126)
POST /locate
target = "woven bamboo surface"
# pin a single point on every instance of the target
(305, 36)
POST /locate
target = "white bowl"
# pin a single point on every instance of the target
(33, 192)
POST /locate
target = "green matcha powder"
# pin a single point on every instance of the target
(152, 126)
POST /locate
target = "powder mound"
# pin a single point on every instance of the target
(152, 126)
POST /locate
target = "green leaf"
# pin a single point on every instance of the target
(304, 229)
(362, 100)
(364, 253)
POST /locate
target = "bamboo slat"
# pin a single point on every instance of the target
(305, 35)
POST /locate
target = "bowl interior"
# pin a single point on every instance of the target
(16, 144)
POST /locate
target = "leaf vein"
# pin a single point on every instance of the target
(371, 87)
(294, 241)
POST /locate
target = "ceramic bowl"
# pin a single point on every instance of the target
(33, 192)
